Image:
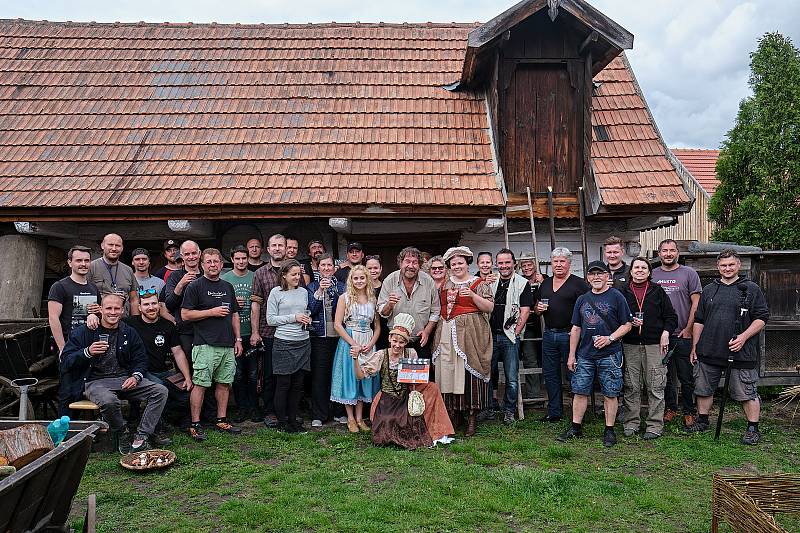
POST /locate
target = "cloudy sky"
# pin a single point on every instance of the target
(691, 56)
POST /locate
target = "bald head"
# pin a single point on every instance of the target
(112, 247)
(190, 252)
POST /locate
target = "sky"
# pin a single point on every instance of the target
(691, 57)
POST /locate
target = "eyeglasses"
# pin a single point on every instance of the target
(375, 257)
(437, 268)
(144, 292)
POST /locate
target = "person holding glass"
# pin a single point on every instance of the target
(359, 327)
(288, 312)
(645, 350)
(375, 269)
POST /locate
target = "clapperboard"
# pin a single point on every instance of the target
(413, 370)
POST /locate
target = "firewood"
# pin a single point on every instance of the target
(24, 444)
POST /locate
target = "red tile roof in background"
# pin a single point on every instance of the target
(127, 115)
(702, 165)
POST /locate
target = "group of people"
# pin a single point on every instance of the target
(275, 329)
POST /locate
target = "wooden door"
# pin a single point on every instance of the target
(541, 117)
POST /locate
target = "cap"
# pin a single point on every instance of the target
(456, 250)
(403, 326)
(169, 243)
(355, 246)
(597, 265)
(139, 251)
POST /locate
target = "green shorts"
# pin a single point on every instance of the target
(213, 364)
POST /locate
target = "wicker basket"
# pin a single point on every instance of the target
(134, 460)
(747, 503)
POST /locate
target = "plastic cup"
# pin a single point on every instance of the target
(639, 315)
(545, 302)
(103, 337)
(306, 313)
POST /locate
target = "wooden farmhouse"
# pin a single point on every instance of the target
(387, 134)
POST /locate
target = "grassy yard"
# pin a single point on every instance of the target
(504, 479)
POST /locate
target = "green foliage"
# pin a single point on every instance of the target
(758, 199)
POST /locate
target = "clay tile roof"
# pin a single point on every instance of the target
(629, 158)
(702, 164)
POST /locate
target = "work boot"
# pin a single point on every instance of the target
(472, 422)
(751, 437)
(688, 421)
(571, 433)
(697, 427)
(609, 437)
(669, 415)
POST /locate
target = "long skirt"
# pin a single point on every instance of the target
(345, 387)
(391, 423)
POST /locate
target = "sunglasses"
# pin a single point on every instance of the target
(145, 292)
(437, 268)
(375, 257)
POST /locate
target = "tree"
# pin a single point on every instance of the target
(758, 199)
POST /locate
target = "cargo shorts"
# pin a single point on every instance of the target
(213, 364)
(743, 387)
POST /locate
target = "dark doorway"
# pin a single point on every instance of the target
(387, 246)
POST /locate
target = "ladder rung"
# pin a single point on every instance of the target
(510, 233)
(516, 208)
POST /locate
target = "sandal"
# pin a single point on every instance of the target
(363, 426)
(352, 426)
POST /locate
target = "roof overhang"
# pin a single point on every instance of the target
(607, 38)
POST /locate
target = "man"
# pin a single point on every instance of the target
(210, 305)
(512, 305)
(682, 285)
(264, 281)
(530, 350)
(140, 259)
(410, 291)
(600, 319)
(172, 257)
(245, 383)
(613, 250)
(555, 302)
(730, 315)
(162, 342)
(355, 256)
(108, 365)
(254, 249)
(69, 303)
(111, 276)
(292, 247)
(172, 295)
(311, 266)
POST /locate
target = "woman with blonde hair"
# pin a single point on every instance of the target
(358, 327)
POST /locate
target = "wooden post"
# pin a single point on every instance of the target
(551, 213)
(584, 246)
(22, 272)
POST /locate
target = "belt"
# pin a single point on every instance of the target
(559, 330)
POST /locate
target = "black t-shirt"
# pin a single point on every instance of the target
(107, 365)
(342, 274)
(202, 294)
(74, 299)
(252, 268)
(164, 273)
(159, 338)
(562, 301)
(498, 313)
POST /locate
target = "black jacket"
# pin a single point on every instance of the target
(76, 367)
(720, 312)
(659, 315)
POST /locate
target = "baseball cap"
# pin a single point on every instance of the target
(597, 265)
(139, 251)
(355, 246)
(169, 243)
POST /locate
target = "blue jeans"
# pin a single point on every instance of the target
(555, 351)
(508, 352)
(245, 381)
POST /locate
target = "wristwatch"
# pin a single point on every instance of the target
(611, 338)
(238, 339)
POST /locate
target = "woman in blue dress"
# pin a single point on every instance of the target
(359, 327)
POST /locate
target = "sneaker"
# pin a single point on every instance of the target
(295, 428)
(669, 415)
(255, 416)
(160, 439)
(121, 441)
(271, 421)
(486, 415)
(609, 437)
(139, 443)
(697, 427)
(340, 419)
(508, 418)
(570, 433)
(548, 418)
(225, 427)
(629, 432)
(688, 421)
(751, 437)
(316, 423)
(197, 433)
(649, 435)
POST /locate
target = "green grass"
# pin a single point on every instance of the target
(504, 479)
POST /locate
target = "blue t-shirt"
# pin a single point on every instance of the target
(612, 307)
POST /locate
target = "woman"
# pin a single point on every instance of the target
(391, 421)
(463, 340)
(354, 314)
(287, 310)
(485, 267)
(324, 295)
(645, 348)
(375, 269)
(437, 270)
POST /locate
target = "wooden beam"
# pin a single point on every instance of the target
(591, 38)
(564, 206)
(615, 34)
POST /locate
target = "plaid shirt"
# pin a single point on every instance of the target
(265, 279)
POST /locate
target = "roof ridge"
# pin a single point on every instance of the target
(696, 149)
(331, 24)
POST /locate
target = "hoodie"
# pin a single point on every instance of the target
(725, 311)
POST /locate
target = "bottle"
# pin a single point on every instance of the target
(58, 429)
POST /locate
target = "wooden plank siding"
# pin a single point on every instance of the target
(691, 226)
